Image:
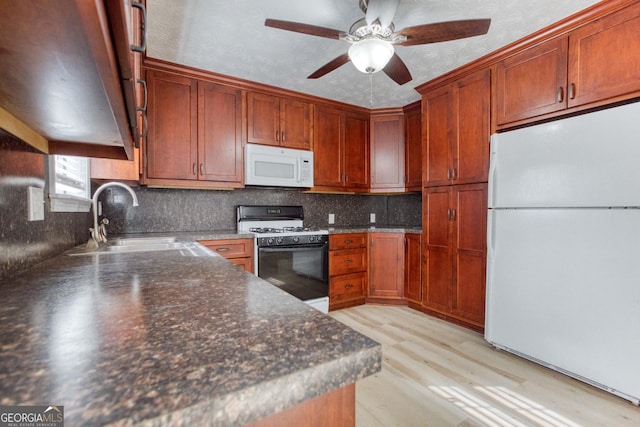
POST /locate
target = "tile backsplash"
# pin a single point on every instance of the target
(163, 210)
(24, 243)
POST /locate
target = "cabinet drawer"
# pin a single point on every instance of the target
(230, 248)
(348, 286)
(347, 261)
(347, 241)
(246, 263)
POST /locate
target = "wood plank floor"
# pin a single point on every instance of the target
(438, 374)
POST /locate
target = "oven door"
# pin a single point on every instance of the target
(301, 270)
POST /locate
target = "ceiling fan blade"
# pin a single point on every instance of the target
(381, 10)
(297, 27)
(397, 70)
(330, 66)
(444, 31)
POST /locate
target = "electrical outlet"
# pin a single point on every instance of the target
(332, 218)
(372, 218)
(35, 203)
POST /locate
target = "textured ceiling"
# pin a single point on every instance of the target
(229, 37)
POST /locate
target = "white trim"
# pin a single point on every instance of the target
(68, 203)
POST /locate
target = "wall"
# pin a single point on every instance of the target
(24, 243)
(163, 210)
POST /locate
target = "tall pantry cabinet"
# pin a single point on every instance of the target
(456, 126)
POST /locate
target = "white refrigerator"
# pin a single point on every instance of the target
(563, 266)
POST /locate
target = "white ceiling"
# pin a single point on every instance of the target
(229, 37)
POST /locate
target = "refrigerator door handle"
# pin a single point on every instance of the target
(491, 238)
(491, 191)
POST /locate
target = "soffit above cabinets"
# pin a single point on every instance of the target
(229, 37)
(59, 81)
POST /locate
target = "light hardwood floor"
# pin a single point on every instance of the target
(438, 374)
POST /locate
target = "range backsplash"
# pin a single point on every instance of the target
(163, 210)
(24, 243)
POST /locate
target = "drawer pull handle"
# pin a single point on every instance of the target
(348, 261)
(222, 250)
(348, 241)
(348, 286)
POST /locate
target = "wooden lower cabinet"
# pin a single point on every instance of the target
(347, 270)
(237, 251)
(412, 268)
(386, 265)
(454, 252)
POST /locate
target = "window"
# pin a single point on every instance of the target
(69, 184)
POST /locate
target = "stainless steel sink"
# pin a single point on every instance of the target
(138, 244)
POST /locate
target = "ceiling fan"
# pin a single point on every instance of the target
(372, 38)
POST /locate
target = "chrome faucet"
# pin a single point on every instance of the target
(98, 236)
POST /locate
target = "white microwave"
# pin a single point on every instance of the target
(277, 167)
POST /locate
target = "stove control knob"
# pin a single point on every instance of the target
(312, 238)
(269, 241)
(296, 239)
(279, 240)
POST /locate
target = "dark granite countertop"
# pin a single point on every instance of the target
(176, 337)
(376, 229)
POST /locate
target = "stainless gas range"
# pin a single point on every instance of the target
(287, 254)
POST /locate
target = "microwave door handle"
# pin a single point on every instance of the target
(299, 171)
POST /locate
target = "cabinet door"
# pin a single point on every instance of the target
(118, 170)
(471, 143)
(412, 267)
(603, 58)
(470, 235)
(172, 143)
(356, 151)
(327, 147)
(387, 152)
(219, 133)
(263, 119)
(386, 264)
(438, 121)
(532, 82)
(437, 252)
(413, 149)
(295, 124)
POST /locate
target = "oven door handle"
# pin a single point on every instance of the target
(289, 247)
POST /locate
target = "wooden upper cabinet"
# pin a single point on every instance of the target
(387, 152)
(533, 82)
(356, 151)
(341, 161)
(472, 119)
(195, 132)
(457, 125)
(172, 144)
(328, 147)
(594, 64)
(413, 147)
(272, 120)
(604, 58)
(219, 133)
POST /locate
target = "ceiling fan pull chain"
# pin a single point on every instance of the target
(370, 90)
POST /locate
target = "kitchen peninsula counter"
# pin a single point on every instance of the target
(167, 338)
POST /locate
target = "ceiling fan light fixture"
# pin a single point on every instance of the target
(370, 55)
